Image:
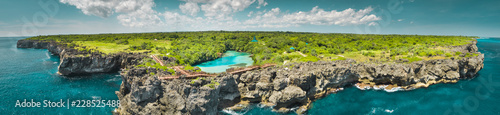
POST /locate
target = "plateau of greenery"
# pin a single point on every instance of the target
(191, 48)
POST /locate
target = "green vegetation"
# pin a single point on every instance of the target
(448, 55)
(171, 71)
(198, 78)
(412, 59)
(189, 67)
(471, 55)
(191, 48)
(212, 84)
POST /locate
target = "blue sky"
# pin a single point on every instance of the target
(423, 17)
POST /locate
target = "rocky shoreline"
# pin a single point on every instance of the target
(286, 87)
(75, 62)
(294, 85)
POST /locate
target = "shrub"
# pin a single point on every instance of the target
(188, 67)
(290, 57)
(422, 54)
(458, 53)
(124, 42)
(432, 53)
(339, 58)
(278, 59)
(314, 53)
(371, 54)
(212, 84)
(171, 71)
(448, 55)
(413, 59)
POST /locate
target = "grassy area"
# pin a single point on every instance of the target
(110, 48)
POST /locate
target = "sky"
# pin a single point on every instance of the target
(422, 17)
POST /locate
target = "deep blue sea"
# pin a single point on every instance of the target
(31, 74)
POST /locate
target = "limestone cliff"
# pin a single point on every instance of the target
(74, 62)
(284, 87)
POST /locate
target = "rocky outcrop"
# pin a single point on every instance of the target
(75, 62)
(142, 93)
(284, 87)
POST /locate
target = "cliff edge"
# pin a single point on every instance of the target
(75, 62)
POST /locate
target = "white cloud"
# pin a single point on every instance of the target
(217, 14)
(399, 20)
(250, 14)
(261, 3)
(317, 16)
(178, 21)
(219, 9)
(105, 8)
(190, 8)
(135, 13)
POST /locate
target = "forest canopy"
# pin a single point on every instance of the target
(271, 47)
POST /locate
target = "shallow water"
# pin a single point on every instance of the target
(31, 74)
(228, 60)
(478, 96)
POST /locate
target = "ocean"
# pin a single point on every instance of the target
(31, 74)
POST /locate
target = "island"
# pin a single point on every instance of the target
(163, 73)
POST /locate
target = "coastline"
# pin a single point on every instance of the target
(286, 87)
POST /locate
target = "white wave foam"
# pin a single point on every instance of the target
(231, 112)
(394, 89)
(114, 79)
(379, 109)
(294, 108)
(389, 111)
(379, 87)
(363, 88)
(48, 55)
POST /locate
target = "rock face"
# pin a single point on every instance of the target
(284, 87)
(74, 62)
(141, 93)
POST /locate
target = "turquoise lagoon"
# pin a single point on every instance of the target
(230, 59)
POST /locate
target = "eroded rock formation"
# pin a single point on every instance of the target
(285, 87)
